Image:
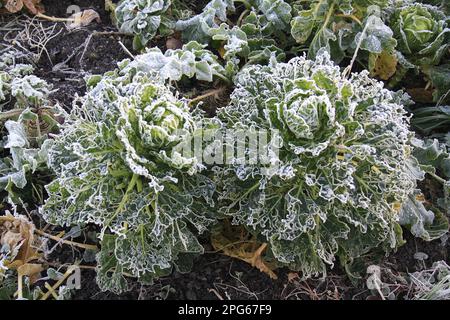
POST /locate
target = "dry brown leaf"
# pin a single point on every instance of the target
(237, 243)
(84, 18)
(14, 6)
(31, 270)
(257, 261)
(18, 233)
(33, 6)
(12, 239)
(292, 276)
(221, 51)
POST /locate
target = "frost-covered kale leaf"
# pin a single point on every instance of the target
(277, 13)
(18, 86)
(197, 27)
(254, 41)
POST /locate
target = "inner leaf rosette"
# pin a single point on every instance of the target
(421, 32)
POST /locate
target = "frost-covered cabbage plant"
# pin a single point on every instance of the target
(143, 19)
(344, 170)
(423, 33)
(193, 60)
(197, 28)
(26, 119)
(118, 167)
(343, 27)
(262, 29)
(17, 84)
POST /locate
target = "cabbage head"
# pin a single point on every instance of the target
(343, 171)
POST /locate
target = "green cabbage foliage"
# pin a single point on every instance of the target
(421, 33)
(18, 85)
(429, 119)
(193, 60)
(197, 27)
(344, 170)
(26, 119)
(143, 19)
(255, 41)
(277, 13)
(343, 27)
(444, 5)
(259, 34)
(118, 166)
(440, 77)
(434, 157)
(263, 29)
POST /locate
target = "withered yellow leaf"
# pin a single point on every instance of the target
(237, 243)
(18, 233)
(31, 270)
(383, 65)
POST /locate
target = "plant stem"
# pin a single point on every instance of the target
(124, 198)
(59, 282)
(439, 179)
(245, 3)
(326, 21)
(242, 16)
(54, 19)
(72, 243)
(222, 77)
(348, 70)
(328, 17)
(350, 16)
(207, 95)
(10, 114)
(19, 286)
